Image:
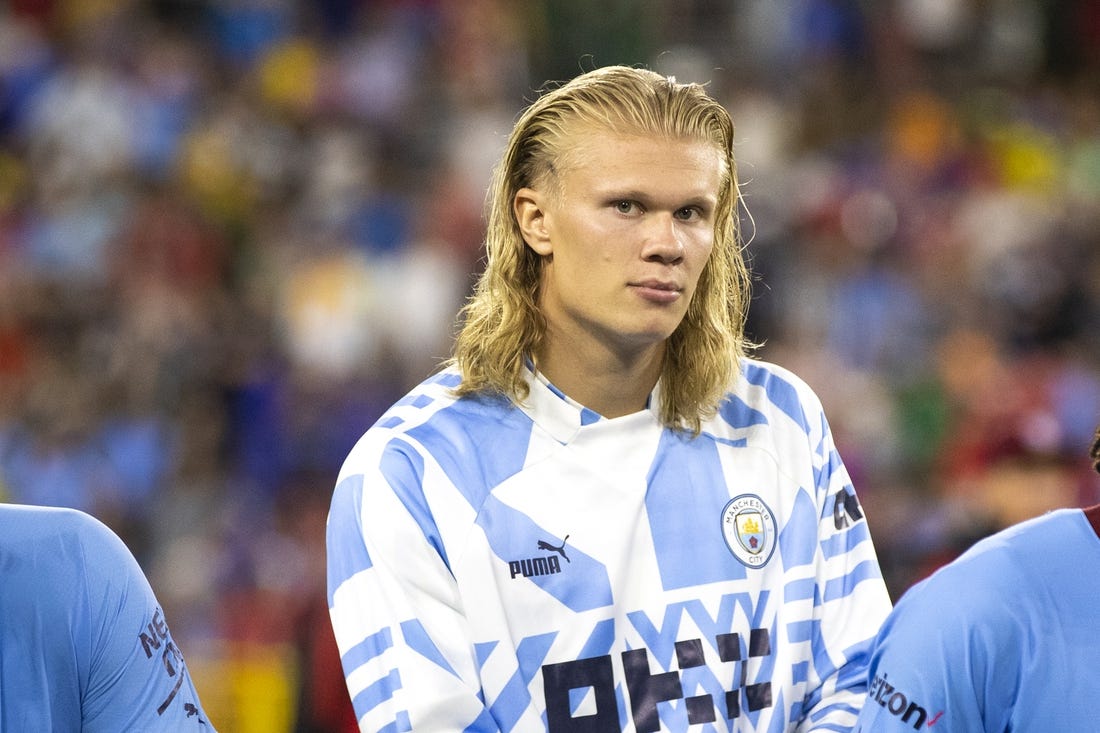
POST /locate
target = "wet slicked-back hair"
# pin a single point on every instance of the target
(501, 322)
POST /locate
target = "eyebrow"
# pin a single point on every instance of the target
(703, 201)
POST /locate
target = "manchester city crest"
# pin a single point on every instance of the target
(749, 528)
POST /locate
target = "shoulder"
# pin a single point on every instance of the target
(431, 421)
(57, 559)
(29, 520)
(764, 374)
(60, 529)
(962, 604)
(414, 409)
(1005, 559)
(954, 641)
(774, 388)
(969, 585)
(766, 397)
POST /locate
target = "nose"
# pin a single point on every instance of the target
(663, 240)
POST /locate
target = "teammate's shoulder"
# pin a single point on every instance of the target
(978, 580)
(1004, 558)
(29, 521)
(65, 543)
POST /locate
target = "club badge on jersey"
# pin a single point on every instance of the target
(749, 528)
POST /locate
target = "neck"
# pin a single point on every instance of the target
(610, 383)
(1092, 513)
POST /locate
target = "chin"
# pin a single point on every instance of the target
(652, 336)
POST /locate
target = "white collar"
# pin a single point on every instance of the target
(563, 417)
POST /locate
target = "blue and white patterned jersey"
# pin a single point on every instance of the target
(495, 567)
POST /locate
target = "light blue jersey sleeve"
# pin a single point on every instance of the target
(84, 644)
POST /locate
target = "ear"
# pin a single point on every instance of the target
(531, 217)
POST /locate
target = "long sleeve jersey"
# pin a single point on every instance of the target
(536, 567)
(84, 645)
(1002, 639)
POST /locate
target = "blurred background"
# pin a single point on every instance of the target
(232, 232)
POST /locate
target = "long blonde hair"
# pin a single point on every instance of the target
(501, 322)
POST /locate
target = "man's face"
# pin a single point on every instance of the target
(625, 232)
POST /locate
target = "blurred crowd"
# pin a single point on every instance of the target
(232, 232)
